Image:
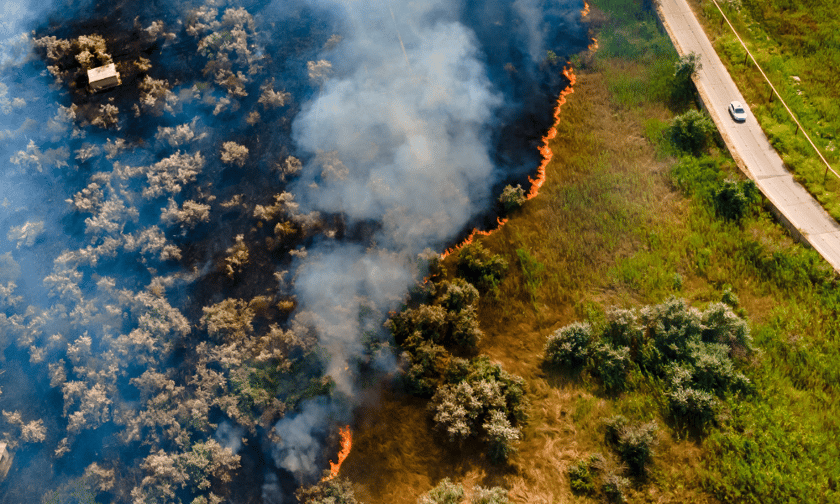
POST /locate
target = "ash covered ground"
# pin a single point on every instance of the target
(195, 264)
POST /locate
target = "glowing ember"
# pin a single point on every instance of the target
(346, 445)
(594, 45)
(545, 150)
(585, 10)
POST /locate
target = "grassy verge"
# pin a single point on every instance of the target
(798, 46)
(620, 223)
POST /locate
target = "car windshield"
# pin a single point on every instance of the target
(738, 110)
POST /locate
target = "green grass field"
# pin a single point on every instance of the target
(797, 44)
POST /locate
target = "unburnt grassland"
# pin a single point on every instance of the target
(797, 44)
(626, 220)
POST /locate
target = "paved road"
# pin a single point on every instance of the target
(797, 209)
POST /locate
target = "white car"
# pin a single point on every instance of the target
(737, 111)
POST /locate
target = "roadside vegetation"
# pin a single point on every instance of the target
(677, 344)
(797, 44)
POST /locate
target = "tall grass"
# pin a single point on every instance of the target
(797, 44)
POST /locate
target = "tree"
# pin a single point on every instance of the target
(690, 131)
(512, 197)
(685, 69)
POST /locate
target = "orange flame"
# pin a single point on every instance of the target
(585, 10)
(594, 45)
(475, 232)
(536, 183)
(545, 150)
(346, 445)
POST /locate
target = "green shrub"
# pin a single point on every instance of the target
(684, 70)
(635, 446)
(456, 295)
(488, 403)
(581, 478)
(623, 328)
(445, 492)
(427, 363)
(614, 486)
(696, 407)
(464, 332)
(733, 199)
(495, 495)
(611, 365)
(722, 325)
(512, 198)
(613, 427)
(570, 345)
(690, 131)
(501, 437)
(481, 267)
(670, 326)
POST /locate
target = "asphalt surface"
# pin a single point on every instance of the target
(795, 207)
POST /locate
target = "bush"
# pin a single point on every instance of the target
(694, 406)
(614, 486)
(427, 363)
(690, 131)
(684, 70)
(445, 492)
(614, 425)
(495, 495)
(670, 326)
(635, 446)
(569, 346)
(722, 325)
(489, 403)
(622, 327)
(456, 295)
(512, 198)
(500, 436)
(333, 491)
(581, 478)
(733, 199)
(481, 267)
(611, 364)
(464, 332)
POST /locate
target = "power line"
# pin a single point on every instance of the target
(798, 125)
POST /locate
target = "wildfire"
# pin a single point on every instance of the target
(585, 10)
(475, 232)
(346, 445)
(545, 150)
(594, 45)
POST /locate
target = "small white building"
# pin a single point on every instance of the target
(103, 77)
(5, 461)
